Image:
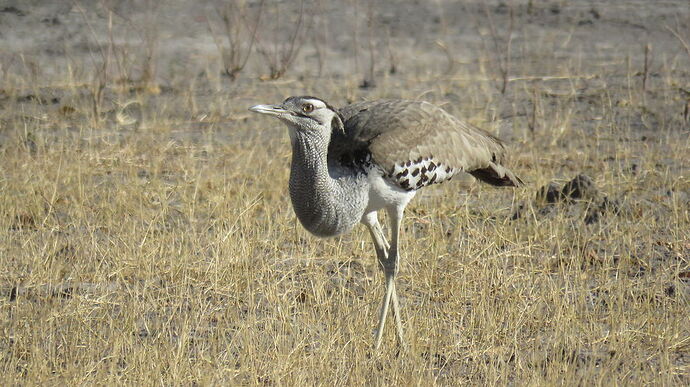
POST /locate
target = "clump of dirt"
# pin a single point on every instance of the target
(581, 187)
(579, 197)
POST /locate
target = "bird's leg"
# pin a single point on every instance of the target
(398, 316)
(383, 314)
(382, 247)
(388, 258)
(392, 267)
(380, 243)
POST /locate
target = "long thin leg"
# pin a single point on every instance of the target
(398, 317)
(391, 269)
(388, 258)
(390, 290)
(380, 242)
(382, 247)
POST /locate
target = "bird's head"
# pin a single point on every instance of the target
(304, 114)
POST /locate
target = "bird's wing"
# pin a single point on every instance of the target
(400, 134)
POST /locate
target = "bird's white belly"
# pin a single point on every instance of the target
(385, 194)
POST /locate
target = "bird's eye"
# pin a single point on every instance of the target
(307, 108)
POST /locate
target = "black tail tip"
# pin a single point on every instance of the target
(490, 176)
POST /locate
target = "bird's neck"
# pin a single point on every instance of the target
(310, 158)
(320, 201)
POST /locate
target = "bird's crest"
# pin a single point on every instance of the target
(337, 122)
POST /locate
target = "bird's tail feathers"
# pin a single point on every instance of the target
(497, 175)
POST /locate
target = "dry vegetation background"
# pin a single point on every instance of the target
(146, 236)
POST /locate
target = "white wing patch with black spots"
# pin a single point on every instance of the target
(415, 174)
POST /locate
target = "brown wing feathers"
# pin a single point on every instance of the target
(419, 144)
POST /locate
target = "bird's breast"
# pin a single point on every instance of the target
(329, 206)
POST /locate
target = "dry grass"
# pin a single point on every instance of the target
(166, 251)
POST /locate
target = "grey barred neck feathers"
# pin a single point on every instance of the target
(327, 200)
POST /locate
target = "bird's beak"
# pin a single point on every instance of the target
(272, 110)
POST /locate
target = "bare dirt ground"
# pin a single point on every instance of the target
(146, 236)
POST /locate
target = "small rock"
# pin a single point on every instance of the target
(612, 206)
(604, 206)
(549, 193)
(581, 187)
(592, 216)
(578, 196)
